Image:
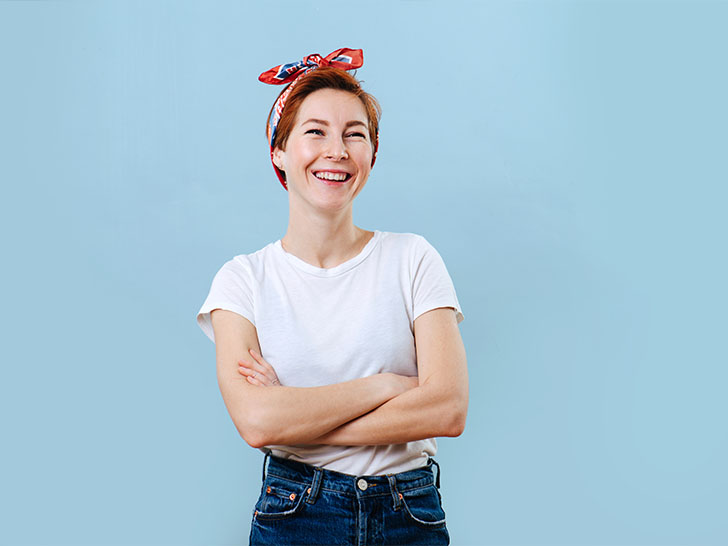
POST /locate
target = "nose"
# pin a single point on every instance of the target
(336, 149)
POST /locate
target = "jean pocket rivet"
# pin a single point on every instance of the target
(267, 489)
(292, 496)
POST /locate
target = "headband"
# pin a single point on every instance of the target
(344, 59)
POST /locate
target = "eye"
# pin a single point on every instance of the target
(314, 132)
(356, 134)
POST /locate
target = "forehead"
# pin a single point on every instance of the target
(332, 105)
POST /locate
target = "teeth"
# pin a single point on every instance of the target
(339, 177)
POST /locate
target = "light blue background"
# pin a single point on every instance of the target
(567, 159)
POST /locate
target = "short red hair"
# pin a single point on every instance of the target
(325, 77)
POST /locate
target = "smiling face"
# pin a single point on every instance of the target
(328, 153)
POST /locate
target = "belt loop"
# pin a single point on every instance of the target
(315, 485)
(437, 479)
(395, 494)
(265, 460)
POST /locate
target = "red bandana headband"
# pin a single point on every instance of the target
(344, 58)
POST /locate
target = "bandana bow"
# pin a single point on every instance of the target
(344, 58)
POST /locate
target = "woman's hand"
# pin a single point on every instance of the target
(402, 383)
(258, 371)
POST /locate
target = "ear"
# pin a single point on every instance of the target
(277, 158)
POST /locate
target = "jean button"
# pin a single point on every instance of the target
(362, 484)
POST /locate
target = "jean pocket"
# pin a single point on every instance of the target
(424, 507)
(279, 498)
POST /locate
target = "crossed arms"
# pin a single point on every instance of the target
(384, 408)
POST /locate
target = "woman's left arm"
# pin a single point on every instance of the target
(437, 407)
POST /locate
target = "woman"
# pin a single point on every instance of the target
(338, 349)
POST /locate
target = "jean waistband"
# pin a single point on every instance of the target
(362, 486)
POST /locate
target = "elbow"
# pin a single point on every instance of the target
(456, 424)
(252, 436)
(252, 429)
(256, 441)
(456, 416)
(451, 410)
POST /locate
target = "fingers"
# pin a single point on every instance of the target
(254, 366)
(262, 366)
(261, 361)
(256, 377)
(258, 371)
(254, 381)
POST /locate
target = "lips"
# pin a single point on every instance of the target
(332, 176)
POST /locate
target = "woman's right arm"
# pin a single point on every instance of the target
(289, 415)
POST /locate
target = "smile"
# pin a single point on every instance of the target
(332, 176)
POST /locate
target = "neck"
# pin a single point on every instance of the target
(324, 240)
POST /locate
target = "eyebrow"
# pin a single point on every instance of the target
(326, 123)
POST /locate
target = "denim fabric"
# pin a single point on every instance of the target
(303, 504)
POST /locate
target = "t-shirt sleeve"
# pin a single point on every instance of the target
(231, 290)
(432, 286)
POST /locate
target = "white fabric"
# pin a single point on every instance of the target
(322, 326)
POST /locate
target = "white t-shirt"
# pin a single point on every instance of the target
(323, 326)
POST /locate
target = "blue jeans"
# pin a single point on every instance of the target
(303, 504)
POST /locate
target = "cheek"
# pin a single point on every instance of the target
(364, 159)
(306, 153)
